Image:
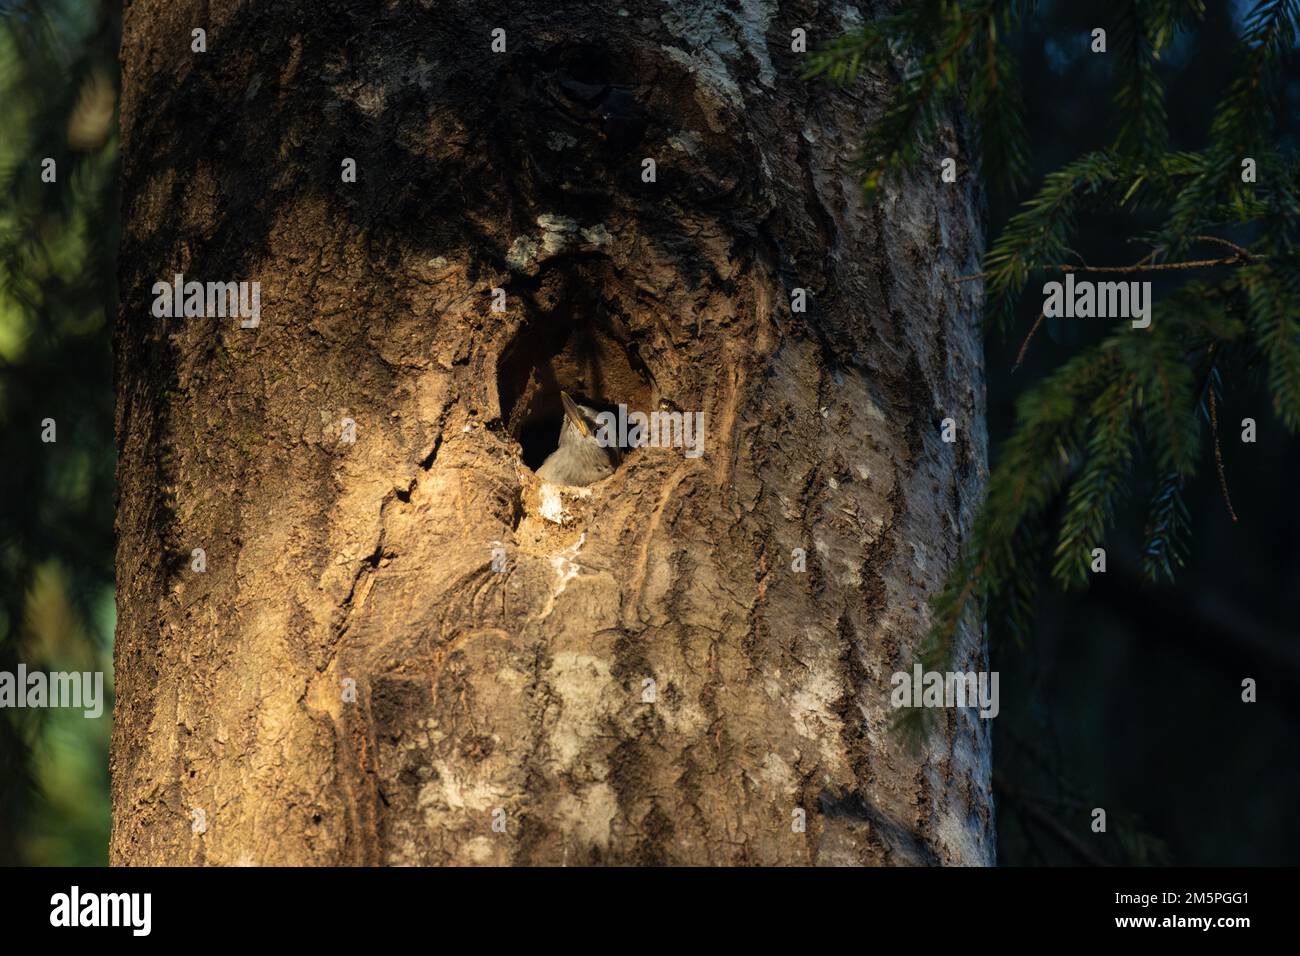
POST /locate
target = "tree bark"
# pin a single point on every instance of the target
(505, 716)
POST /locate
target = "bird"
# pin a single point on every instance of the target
(580, 459)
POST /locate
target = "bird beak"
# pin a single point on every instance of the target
(575, 416)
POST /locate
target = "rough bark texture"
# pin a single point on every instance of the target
(523, 691)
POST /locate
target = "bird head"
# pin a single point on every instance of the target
(578, 418)
(580, 459)
(580, 426)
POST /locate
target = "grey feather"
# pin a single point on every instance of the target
(579, 460)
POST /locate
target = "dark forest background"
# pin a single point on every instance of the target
(1125, 696)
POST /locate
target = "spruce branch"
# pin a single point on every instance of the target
(1133, 407)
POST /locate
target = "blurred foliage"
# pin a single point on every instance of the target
(58, 243)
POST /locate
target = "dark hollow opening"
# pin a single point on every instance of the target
(540, 433)
(585, 359)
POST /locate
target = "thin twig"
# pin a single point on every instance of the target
(1239, 250)
(1076, 255)
(1150, 256)
(1153, 266)
(1137, 267)
(1218, 454)
(1024, 346)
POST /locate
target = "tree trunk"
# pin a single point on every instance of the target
(404, 649)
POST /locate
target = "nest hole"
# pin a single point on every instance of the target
(586, 360)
